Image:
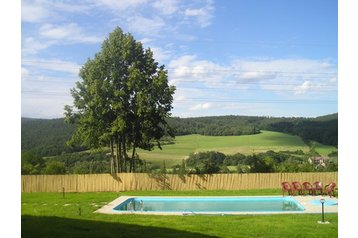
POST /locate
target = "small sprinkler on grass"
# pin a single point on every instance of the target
(79, 211)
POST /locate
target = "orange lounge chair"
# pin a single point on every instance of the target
(330, 189)
(317, 186)
(297, 187)
(286, 187)
(307, 187)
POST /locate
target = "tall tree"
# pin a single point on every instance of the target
(122, 101)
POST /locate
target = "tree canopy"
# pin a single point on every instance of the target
(122, 101)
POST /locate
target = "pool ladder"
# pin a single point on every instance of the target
(131, 206)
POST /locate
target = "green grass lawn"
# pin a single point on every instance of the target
(246, 144)
(51, 215)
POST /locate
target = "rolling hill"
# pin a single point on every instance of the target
(47, 137)
(245, 144)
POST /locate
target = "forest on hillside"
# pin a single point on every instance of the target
(321, 129)
(47, 137)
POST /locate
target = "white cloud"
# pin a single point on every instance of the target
(146, 26)
(52, 65)
(203, 15)
(178, 98)
(50, 35)
(166, 7)
(201, 106)
(33, 46)
(242, 69)
(58, 32)
(120, 5)
(284, 76)
(83, 7)
(33, 13)
(303, 88)
(289, 66)
(160, 18)
(309, 87)
(188, 68)
(333, 79)
(160, 55)
(146, 40)
(253, 76)
(44, 106)
(243, 80)
(68, 32)
(45, 86)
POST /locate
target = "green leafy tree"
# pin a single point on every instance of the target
(31, 163)
(55, 167)
(234, 159)
(122, 101)
(206, 162)
(29, 157)
(259, 164)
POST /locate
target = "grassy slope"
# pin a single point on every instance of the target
(324, 149)
(246, 144)
(50, 215)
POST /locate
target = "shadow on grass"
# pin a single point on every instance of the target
(49, 226)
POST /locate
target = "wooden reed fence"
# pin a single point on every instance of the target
(142, 181)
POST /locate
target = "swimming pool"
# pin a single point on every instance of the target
(208, 205)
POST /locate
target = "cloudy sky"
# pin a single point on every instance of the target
(249, 57)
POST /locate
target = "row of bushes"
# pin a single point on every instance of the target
(197, 163)
(267, 162)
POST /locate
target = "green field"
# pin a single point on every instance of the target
(246, 144)
(51, 215)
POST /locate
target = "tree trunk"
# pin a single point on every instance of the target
(124, 152)
(112, 157)
(132, 159)
(117, 154)
(119, 151)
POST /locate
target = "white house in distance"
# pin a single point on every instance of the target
(319, 160)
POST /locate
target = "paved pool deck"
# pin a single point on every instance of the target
(311, 204)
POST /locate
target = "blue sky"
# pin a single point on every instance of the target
(252, 57)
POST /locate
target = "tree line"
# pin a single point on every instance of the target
(267, 162)
(47, 137)
(321, 129)
(209, 162)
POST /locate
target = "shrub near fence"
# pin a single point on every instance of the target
(143, 181)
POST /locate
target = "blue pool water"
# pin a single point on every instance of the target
(210, 204)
